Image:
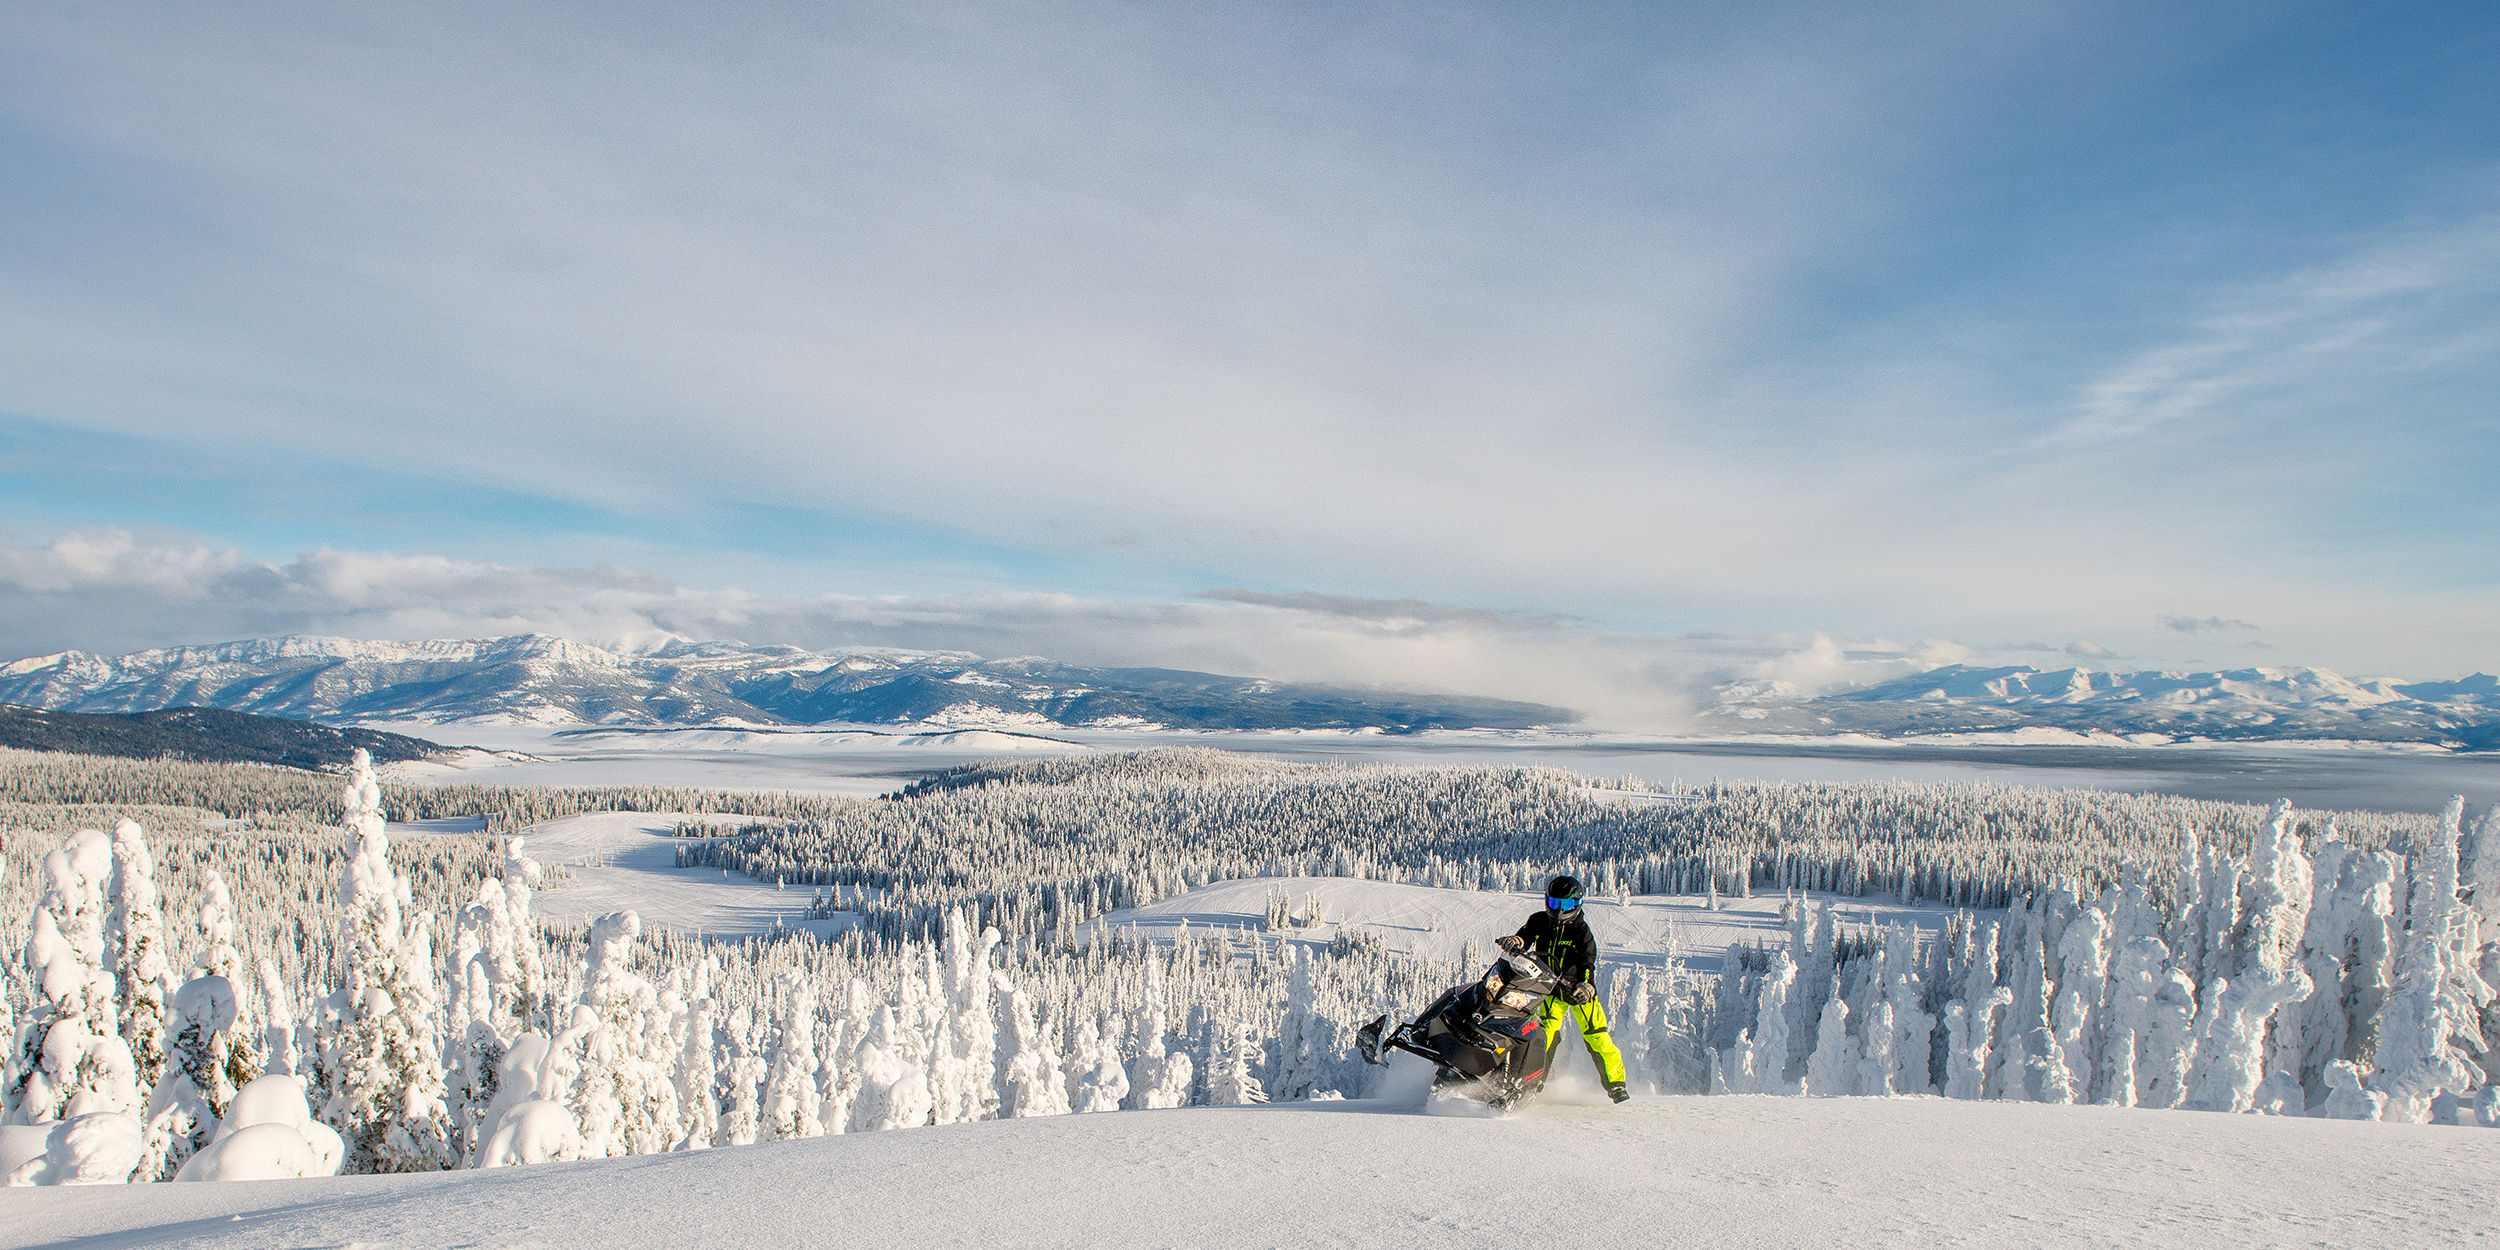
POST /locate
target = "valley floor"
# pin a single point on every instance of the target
(1717, 1172)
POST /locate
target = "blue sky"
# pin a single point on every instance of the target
(1974, 331)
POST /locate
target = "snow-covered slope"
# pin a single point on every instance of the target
(2150, 706)
(1722, 1173)
(535, 679)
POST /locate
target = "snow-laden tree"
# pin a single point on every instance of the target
(529, 1122)
(1913, 1027)
(1307, 1042)
(134, 951)
(1768, 1057)
(1029, 1077)
(267, 1134)
(840, 1079)
(2345, 1097)
(218, 956)
(1097, 1081)
(191, 1096)
(284, 1041)
(697, 1073)
(1230, 1082)
(967, 1086)
(2079, 1015)
(1832, 1070)
(2132, 1039)
(2431, 1028)
(381, 1051)
(791, 1104)
(748, 1066)
(1971, 1019)
(1161, 1075)
(625, 1101)
(893, 1078)
(72, 1061)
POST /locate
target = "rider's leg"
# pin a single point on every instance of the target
(1592, 1020)
(1552, 1014)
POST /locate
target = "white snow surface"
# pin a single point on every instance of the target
(604, 862)
(1724, 1172)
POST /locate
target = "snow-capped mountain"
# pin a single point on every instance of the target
(2235, 704)
(536, 679)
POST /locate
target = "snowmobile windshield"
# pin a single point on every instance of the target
(1522, 966)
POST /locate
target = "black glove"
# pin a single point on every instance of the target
(1583, 992)
(1511, 942)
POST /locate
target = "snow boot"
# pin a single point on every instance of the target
(1616, 1091)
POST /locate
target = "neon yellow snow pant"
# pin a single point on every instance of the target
(1592, 1018)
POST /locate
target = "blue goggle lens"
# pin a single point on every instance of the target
(1562, 904)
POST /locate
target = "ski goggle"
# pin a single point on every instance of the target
(1561, 904)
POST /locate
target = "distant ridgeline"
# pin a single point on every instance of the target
(2232, 705)
(207, 735)
(537, 679)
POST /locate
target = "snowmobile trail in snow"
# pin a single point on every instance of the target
(1715, 1172)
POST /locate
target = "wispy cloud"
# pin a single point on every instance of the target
(2403, 305)
(2202, 624)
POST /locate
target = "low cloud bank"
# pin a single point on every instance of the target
(112, 591)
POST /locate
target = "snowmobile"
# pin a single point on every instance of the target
(1484, 1038)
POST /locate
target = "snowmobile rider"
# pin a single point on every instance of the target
(1560, 936)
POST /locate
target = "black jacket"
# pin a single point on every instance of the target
(1565, 944)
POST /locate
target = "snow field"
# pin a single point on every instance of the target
(1725, 1173)
(605, 862)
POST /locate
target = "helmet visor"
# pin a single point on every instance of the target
(1561, 904)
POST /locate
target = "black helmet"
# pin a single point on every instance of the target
(1563, 894)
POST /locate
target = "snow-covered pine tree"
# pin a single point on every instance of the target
(1098, 1080)
(791, 1105)
(972, 1091)
(1768, 1060)
(1971, 1037)
(697, 1073)
(1029, 1076)
(198, 1083)
(742, 1117)
(381, 1048)
(2435, 1012)
(1913, 1039)
(1230, 1081)
(1832, 1070)
(1301, 1043)
(2078, 1016)
(893, 1080)
(626, 1102)
(134, 951)
(283, 1041)
(71, 1057)
(1160, 1076)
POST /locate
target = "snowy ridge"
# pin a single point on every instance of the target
(536, 679)
(2248, 704)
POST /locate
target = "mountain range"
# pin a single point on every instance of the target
(536, 679)
(2235, 705)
